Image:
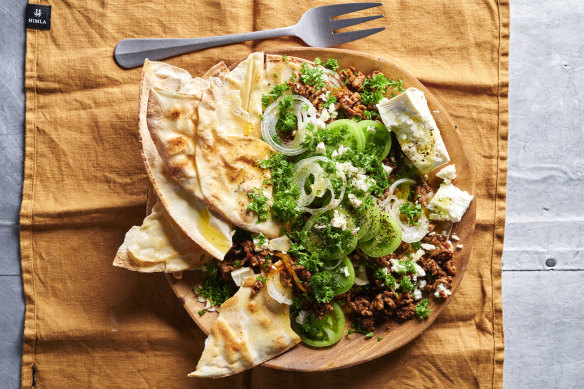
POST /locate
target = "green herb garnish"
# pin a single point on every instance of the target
(422, 311)
(412, 212)
(258, 204)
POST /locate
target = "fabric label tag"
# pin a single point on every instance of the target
(38, 16)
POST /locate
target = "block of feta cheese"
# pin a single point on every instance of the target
(409, 117)
(449, 203)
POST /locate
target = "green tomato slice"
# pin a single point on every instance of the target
(387, 239)
(353, 137)
(367, 219)
(377, 136)
(326, 241)
(321, 332)
(344, 274)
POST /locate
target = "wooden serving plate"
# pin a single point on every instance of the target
(355, 349)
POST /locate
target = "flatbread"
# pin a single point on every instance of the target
(158, 245)
(249, 331)
(247, 78)
(279, 70)
(226, 159)
(206, 229)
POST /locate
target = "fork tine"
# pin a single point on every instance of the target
(344, 37)
(342, 23)
(341, 9)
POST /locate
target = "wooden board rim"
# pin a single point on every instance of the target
(304, 358)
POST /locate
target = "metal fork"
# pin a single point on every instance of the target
(315, 28)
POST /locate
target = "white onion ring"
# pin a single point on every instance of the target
(277, 291)
(386, 202)
(310, 166)
(333, 79)
(271, 115)
(410, 233)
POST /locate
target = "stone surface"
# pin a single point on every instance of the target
(543, 308)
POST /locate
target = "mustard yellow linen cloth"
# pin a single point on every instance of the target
(89, 324)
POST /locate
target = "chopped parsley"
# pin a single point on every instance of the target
(312, 76)
(278, 90)
(213, 288)
(379, 338)
(262, 279)
(237, 263)
(331, 100)
(265, 100)
(412, 212)
(370, 115)
(285, 58)
(202, 312)
(285, 190)
(406, 285)
(323, 285)
(374, 88)
(258, 204)
(387, 278)
(417, 245)
(422, 311)
(332, 64)
(287, 121)
(317, 61)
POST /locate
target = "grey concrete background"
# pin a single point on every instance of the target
(543, 267)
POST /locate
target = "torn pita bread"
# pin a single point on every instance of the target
(279, 69)
(158, 245)
(226, 159)
(249, 331)
(209, 231)
(247, 78)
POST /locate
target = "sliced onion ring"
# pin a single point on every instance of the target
(310, 167)
(386, 203)
(276, 290)
(303, 116)
(410, 233)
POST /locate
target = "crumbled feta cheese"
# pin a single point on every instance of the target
(428, 247)
(348, 169)
(417, 295)
(371, 129)
(432, 233)
(319, 124)
(332, 111)
(421, 284)
(454, 237)
(339, 220)
(345, 271)
(403, 137)
(319, 226)
(355, 202)
(388, 169)
(419, 270)
(415, 257)
(301, 318)
(355, 230)
(449, 203)
(340, 151)
(447, 173)
(459, 246)
(325, 115)
(396, 267)
(441, 288)
(325, 96)
(414, 278)
(361, 182)
(320, 148)
(260, 244)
